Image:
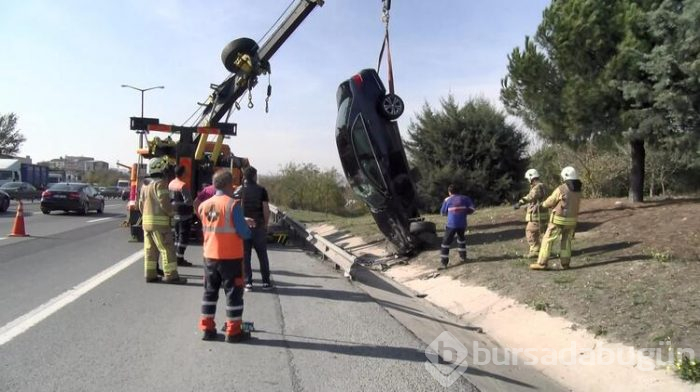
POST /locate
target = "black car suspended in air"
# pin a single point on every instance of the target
(374, 160)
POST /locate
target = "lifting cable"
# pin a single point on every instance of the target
(385, 19)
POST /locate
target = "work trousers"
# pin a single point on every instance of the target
(257, 241)
(182, 237)
(229, 275)
(551, 236)
(533, 235)
(158, 243)
(450, 233)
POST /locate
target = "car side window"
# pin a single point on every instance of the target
(365, 155)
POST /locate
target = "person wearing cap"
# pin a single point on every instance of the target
(564, 203)
(535, 215)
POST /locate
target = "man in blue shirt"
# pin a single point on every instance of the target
(456, 207)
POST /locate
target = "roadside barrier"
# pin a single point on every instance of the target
(18, 225)
(342, 259)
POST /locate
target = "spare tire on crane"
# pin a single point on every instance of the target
(241, 55)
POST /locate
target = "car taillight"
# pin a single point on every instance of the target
(46, 194)
(357, 79)
(74, 195)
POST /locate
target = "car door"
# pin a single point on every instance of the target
(23, 192)
(31, 192)
(91, 196)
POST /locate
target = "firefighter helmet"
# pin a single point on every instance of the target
(569, 173)
(531, 174)
(157, 166)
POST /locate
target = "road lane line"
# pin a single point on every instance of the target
(115, 205)
(3, 238)
(41, 312)
(98, 220)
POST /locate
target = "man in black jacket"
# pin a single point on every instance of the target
(255, 206)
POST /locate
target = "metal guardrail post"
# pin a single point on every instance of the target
(338, 255)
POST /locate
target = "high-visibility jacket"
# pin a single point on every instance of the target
(535, 212)
(224, 228)
(154, 204)
(181, 199)
(565, 202)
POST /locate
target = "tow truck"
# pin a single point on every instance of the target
(246, 62)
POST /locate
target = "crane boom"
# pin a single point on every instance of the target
(234, 86)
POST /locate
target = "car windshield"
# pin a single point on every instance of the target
(5, 175)
(11, 185)
(67, 187)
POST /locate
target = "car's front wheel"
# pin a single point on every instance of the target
(45, 211)
(101, 208)
(391, 106)
(4, 205)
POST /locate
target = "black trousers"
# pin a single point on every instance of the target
(229, 275)
(182, 237)
(450, 233)
(258, 241)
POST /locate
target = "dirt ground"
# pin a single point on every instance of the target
(635, 273)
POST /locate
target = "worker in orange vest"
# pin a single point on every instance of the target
(225, 227)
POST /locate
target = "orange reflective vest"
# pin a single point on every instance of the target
(221, 241)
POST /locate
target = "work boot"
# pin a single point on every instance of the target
(239, 337)
(181, 262)
(538, 266)
(209, 334)
(564, 264)
(159, 271)
(153, 279)
(174, 278)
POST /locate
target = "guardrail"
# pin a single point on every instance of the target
(336, 254)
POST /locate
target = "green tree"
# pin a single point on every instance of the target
(469, 145)
(305, 186)
(10, 138)
(597, 72)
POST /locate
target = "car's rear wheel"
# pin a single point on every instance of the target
(391, 106)
(101, 208)
(45, 211)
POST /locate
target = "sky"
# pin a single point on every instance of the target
(63, 64)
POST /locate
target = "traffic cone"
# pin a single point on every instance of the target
(18, 226)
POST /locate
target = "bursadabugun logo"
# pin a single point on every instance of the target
(447, 359)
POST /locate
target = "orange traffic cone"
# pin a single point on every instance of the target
(18, 226)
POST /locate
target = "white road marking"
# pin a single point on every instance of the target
(98, 220)
(38, 314)
(3, 238)
(114, 205)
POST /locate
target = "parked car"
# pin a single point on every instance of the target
(4, 201)
(374, 160)
(67, 196)
(21, 191)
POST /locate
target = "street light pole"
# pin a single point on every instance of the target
(142, 90)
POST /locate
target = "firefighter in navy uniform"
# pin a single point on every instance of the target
(156, 212)
(456, 207)
(564, 203)
(181, 199)
(225, 227)
(536, 215)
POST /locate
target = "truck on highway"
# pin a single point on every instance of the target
(15, 170)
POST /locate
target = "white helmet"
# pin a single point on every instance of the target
(157, 166)
(531, 174)
(569, 173)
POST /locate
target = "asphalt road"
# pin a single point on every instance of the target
(77, 315)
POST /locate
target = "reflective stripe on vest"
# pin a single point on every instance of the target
(530, 217)
(221, 242)
(562, 220)
(156, 220)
